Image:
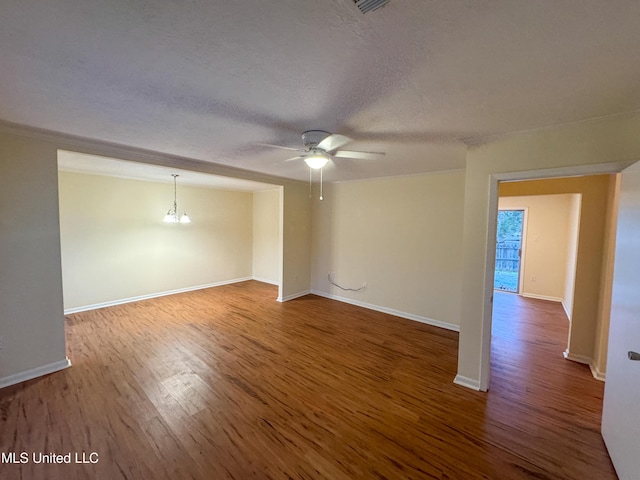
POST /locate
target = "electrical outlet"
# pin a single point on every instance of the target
(533, 278)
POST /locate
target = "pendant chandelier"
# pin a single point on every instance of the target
(172, 214)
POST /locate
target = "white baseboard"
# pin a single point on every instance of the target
(577, 358)
(34, 373)
(112, 303)
(293, 296)
(541, 297)
(566, 311)
(597, 374)
(390, 311)
(264, 280)
(467, 382)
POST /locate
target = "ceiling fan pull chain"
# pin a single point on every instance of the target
(310, 192)
(321, 184)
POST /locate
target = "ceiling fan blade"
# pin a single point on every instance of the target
(292, 159)
(280, 147)
(360, 155)
(333, 141)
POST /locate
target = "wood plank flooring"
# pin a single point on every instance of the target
(227, 383)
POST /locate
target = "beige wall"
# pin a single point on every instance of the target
(599, 365)
(593, 147)
(266, 235)
(296, 242)
(115, 245)
(548, 245)
(401, 236)
(572, 254)
(31, 312)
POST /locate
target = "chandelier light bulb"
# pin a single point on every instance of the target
(172, 214)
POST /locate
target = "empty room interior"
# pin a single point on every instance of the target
(346, 239)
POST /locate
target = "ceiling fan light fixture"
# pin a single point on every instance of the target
(316, 160)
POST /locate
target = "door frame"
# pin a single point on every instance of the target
(523, 241)
(490, 252)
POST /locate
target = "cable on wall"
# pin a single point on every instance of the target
(331, 278)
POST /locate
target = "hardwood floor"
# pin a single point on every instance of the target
(228, 383)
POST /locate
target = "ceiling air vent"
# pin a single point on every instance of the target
(367, 6)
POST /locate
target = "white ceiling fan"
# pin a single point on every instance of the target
(320, 147)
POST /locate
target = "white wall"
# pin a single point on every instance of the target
(267, 235)
(401, 236)
(550, 246)
(115, 245)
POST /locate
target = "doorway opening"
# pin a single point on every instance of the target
(510, 226)
(568, 227)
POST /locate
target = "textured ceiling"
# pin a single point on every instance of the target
(417, 79)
